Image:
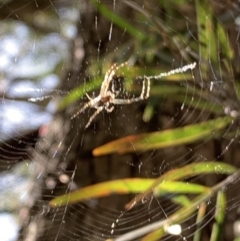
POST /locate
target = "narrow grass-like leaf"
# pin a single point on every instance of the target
(79, 92)
(182, 200)
(149, 110)
(199, 222)
(224, 42)
(155, 235)
(163, 139)
(117, 20)
(219, 216)
(126, 186)
(206, 32)
(198, 103)
(212, 36)
(183, 173)
(183, 96)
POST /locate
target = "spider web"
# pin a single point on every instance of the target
(44, 155)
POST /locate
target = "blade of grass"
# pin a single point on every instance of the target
(206, 34)
(201, 213)
(182, 200)
(183, 96)
(155, 235)
(149, 110)
(212, 36)
(219, 216)
(125, 186)
(79, 92)
(201, 104)
(185, 172)
(163, 139)
(117, 20)
(224, 43)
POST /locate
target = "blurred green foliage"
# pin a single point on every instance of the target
(158, 41)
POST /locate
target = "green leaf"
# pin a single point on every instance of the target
(182, 200)
(125, 186)
(219, 216)
(212, 36)
(183, 173)
(79, 92)
(206, 34)
(117, 20)
(198, 103)
(199, 222)
(185, 97)
(163, 139)
(225, 46)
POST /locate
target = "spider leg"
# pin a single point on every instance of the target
(107, 80)
(88, 104)
(93, 103)
(99, 109)
(125, 101)
(113, 90)
(109, 109)
(108, 77)
(144, 94)
(88, 96)
(148, 87)
(143, 90)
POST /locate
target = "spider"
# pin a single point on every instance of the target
(107, 98)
